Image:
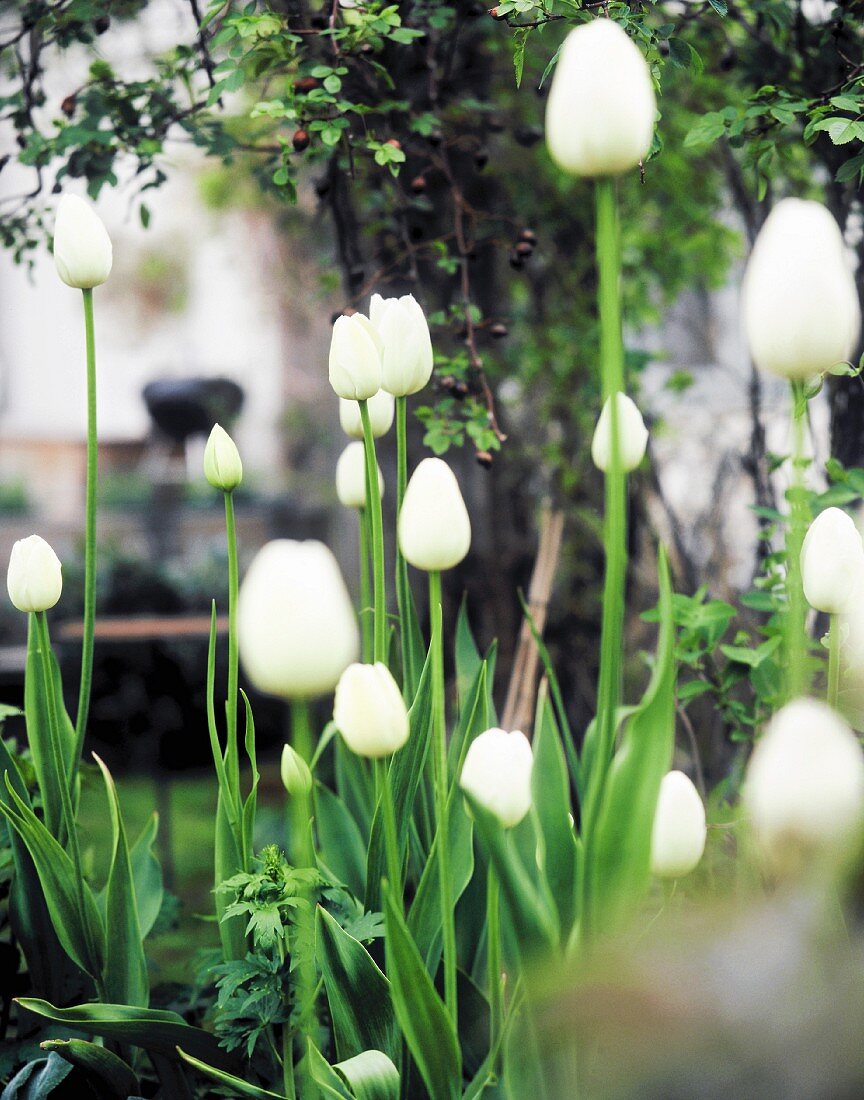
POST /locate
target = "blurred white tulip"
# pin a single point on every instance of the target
(832, 562)
(632, 435)
(380, 407)
(351, 477)
(678, 836)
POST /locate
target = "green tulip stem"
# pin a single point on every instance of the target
(303, 855)
(403, 589)
(51, 705)
(366, 611)
(493, 956)
(232, 752)
(833, 660)
(89, 541)
(377, 529)
(608, 248)
(391, 841)
(796, 615)
(439, 771)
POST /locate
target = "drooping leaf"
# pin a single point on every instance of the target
(357, 992)
(154, 1030)
(114, 1078)
(237, 1085)
(425, 1022)
(126, 979)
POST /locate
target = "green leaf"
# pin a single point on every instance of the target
(340, 843)
(237, 1085)
(228, 861)
(38, 1079)
(370, 1075)
(147, 875)
(357, 992)
(475, 714)
(405, 771)
(424, 1020)
(250, 806)
(125, 977)
(550, 785)
(82, 935)
(618, 855)
(329, 1083)
(155, 1030)
(116, 1081)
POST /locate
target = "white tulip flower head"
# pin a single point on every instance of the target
(678, 835)
(369, 711)
(34, 578)
(497, 774)
(434, 528)
(82, 247)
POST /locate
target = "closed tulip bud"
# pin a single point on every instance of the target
(632, 436)
(678, 836)
(380, 408)
(82, 247)
(601, 109)
(222, 465)
(404, 331)
(35, 576)
(355, 358)
(804, 788)
(801, 311)
(369, 711)
(296, 626)
(351, 477)
(434, 528)
(497, 774)
(832, 562)
(296, 777)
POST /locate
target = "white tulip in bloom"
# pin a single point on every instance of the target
(601, 109)
(82, 247)
(678, 836)
(801, 310)
(434, 528)
(355, 358)
(404, 331)
(296, 777)
(832, 562)
(351, 476)
(380, 407)
(222, 465)
(296, 626)
(369, 711)
(34, 578)
(804, 788)
(497, 774)
(632, 435)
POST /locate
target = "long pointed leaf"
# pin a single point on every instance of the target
(39, 730)
(236, 1084)
(340, 843)
(116, 1081)
(147, 875)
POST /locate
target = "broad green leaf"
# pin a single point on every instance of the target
(340, 843)
(155, 1030)
(125, 978)
(475, 715)
(39, 730)
(237, 1085)
(147, 875)
(327, 1080)
(424, 1020)
(618, 855)
(354, 786)
(536, 924)
(357, 992)
(82, 935)
(370, 1075)
(467, 655)
(116, 1081)
(406, 768)
(550, 785)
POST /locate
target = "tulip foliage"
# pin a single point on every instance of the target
(392, 942)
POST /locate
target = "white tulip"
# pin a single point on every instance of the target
(804, 788)
(355, 358)
(381, 407)
(404, 331)
(801, 311)
(295, 773)
(369, 711)
(632, 435)
(601, 110)
(351, 477)
(35, 577)
(678, 836)
(223, 467)
(434, 528)
(497, 774)
(82, 247)
(832, 562)
(296, 626)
